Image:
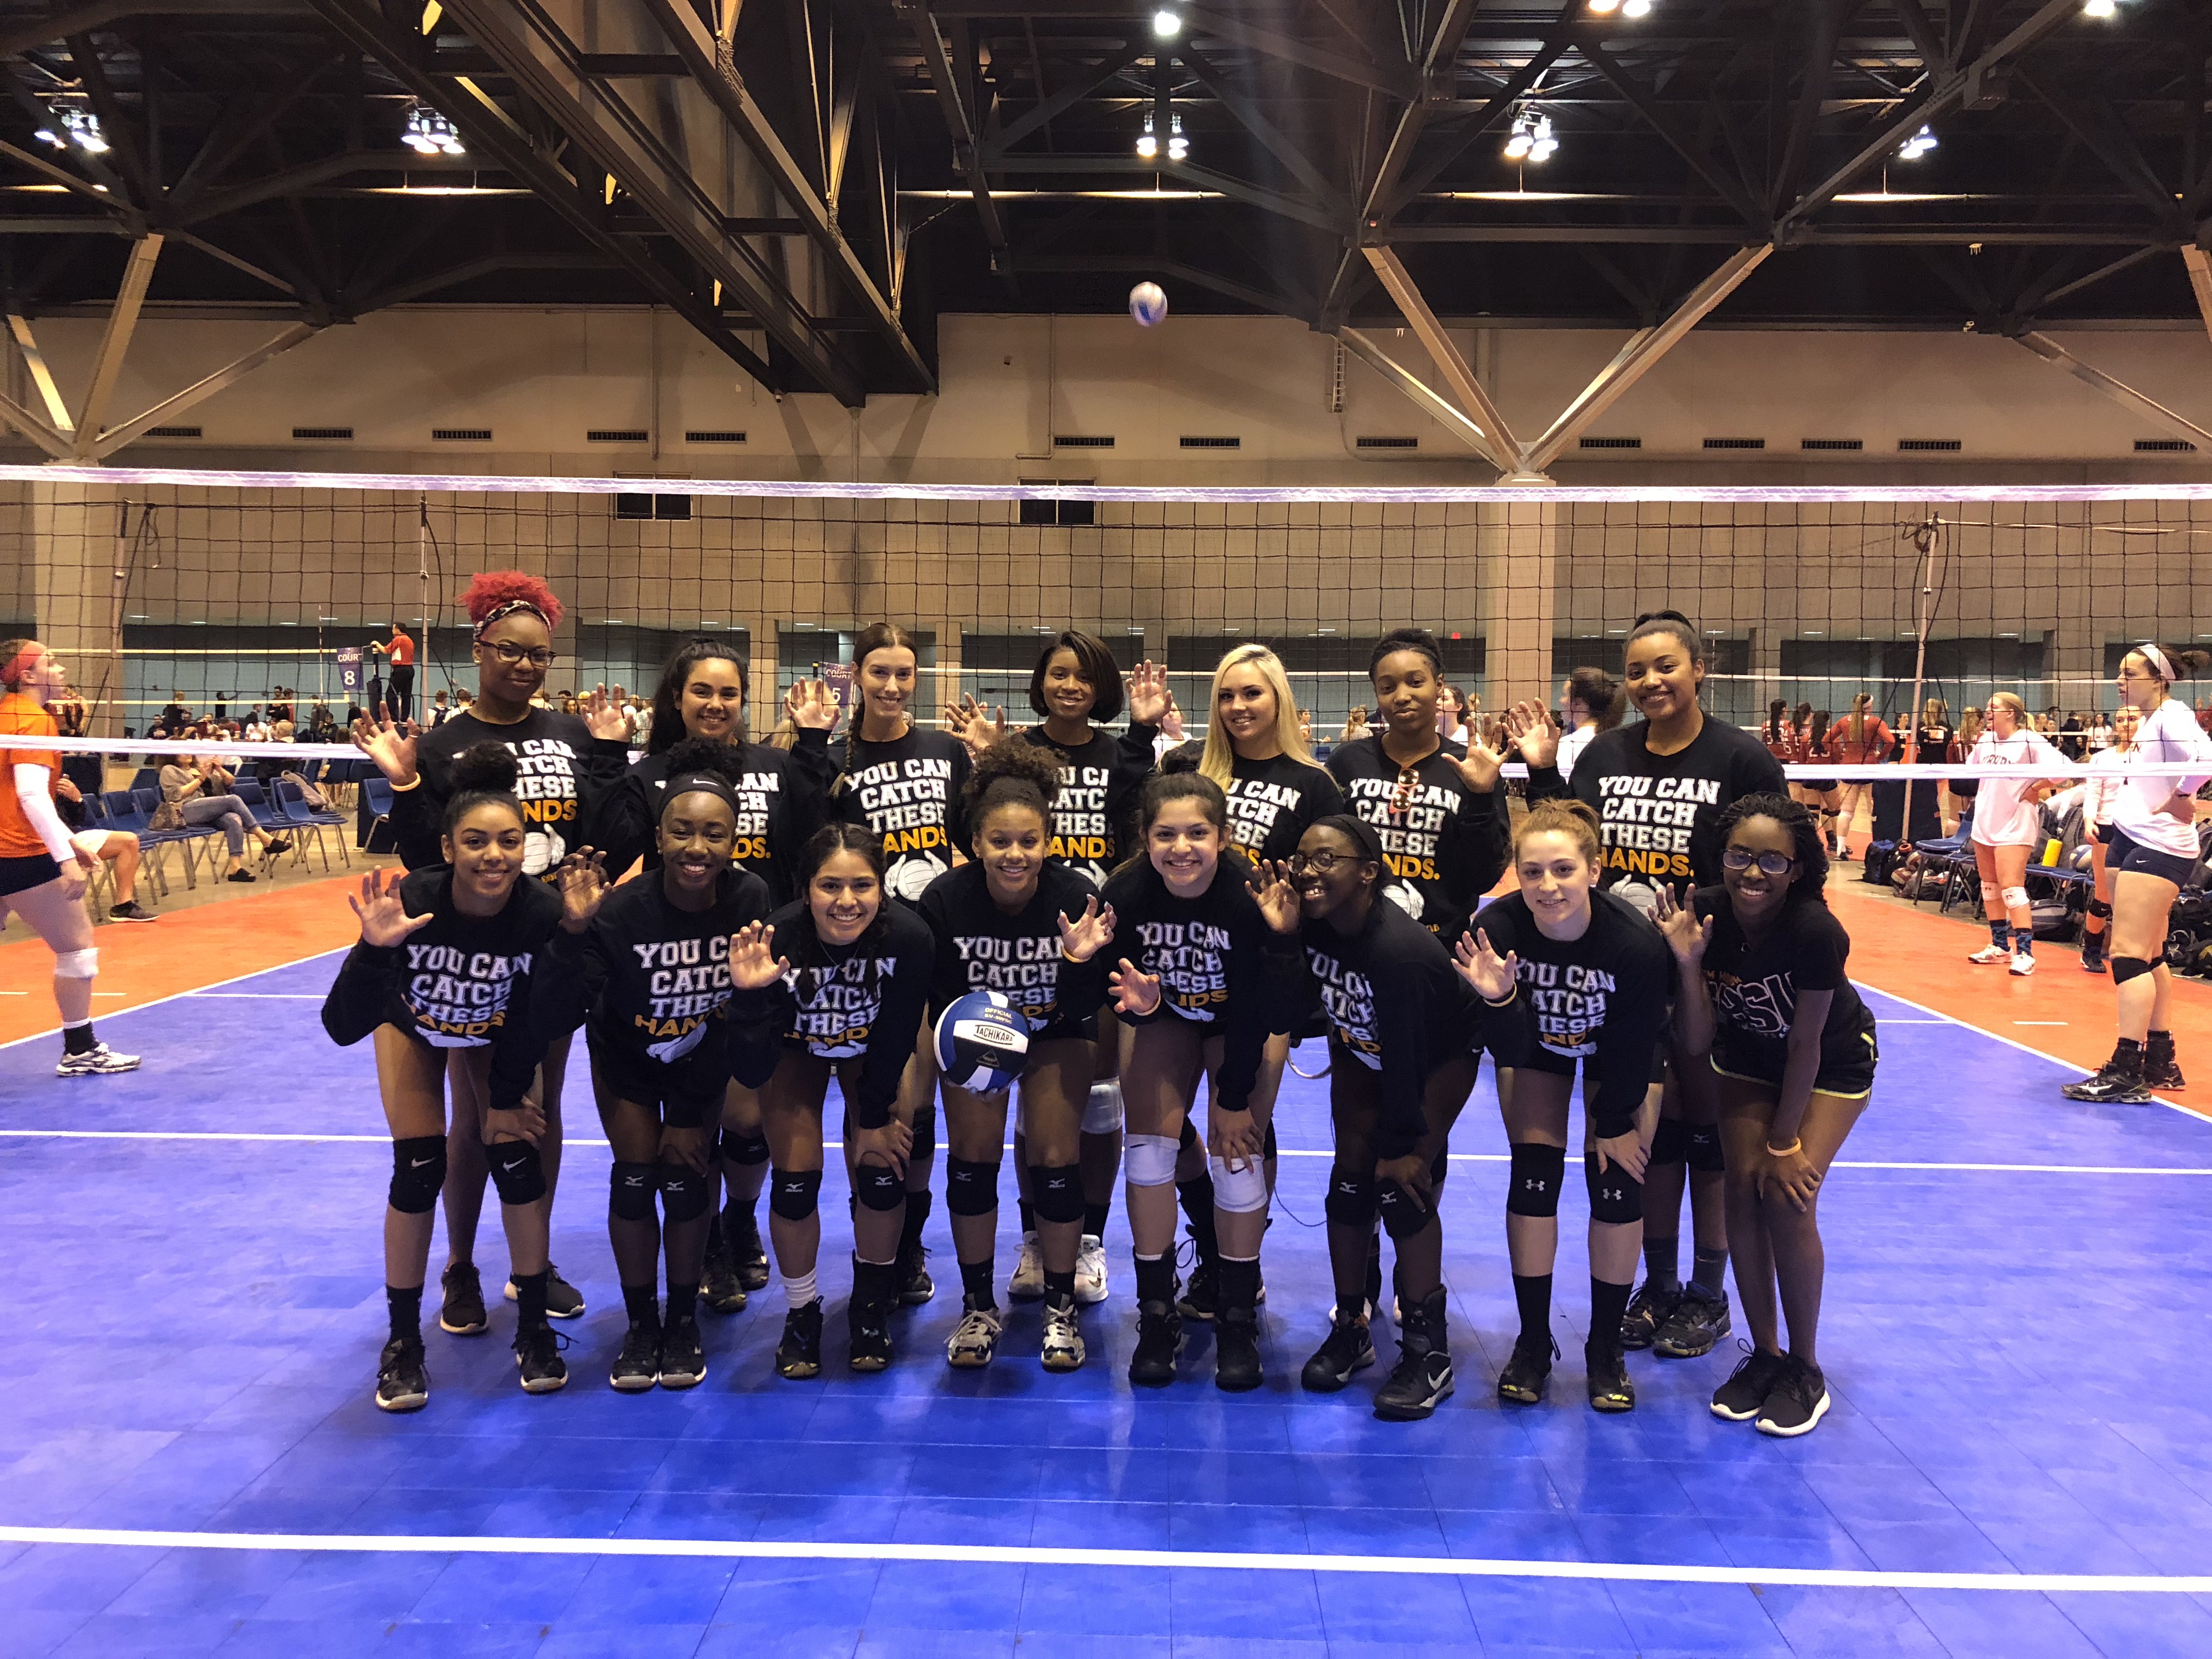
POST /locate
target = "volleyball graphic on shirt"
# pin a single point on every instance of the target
(1407, 897)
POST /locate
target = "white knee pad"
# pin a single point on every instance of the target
(2015, 898)
(1101, 1113)
(76, 964)
(1150, 1160)
(1239, 1191)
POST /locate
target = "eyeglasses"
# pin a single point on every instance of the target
(1320, 864)
(513, 654)
(1770, 864)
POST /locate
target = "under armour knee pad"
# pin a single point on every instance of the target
(629, 1190)
(1149, 1160)
(1616, 1197)
(1056, 1192)
(1267, 1148)
(2099, 909)
(971, 1186)
(794, 1194)
(517, 1171)
(1670, 1141)
(748, 1148)
(2127, 968)
(879, 1186)
(1352, 1201)
(2015, 898)
(684, 1193)
(924, 1132)
(1404, 1214)
(418, 1171)
(1241, 1190)
(1702, 1148)
(1533, 1185)
(1102, 1111)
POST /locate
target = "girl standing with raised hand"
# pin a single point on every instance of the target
(2007, 827)
(2107, 762)
(1257, 752)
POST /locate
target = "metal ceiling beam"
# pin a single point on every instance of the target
(1732, 235)
(967, 143)
(115, 341)
(41, 376)
(1371, 353)
(2107, 137)
(1094, 77)
(1467, 129)
(1277, 142)
(1445, 354)
(1729, 190)
(35, 429)
(2118, 390)
(130, 431)
(2200, 281)
(1146, 264)
(1829, 17)
(1401, 81)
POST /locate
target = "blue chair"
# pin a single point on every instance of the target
(148, 777)
(126, 812)
(303, 820)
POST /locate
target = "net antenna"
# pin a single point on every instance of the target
(1925, 536)
(422, 597)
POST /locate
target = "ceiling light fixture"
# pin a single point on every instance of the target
(1167, 24)
(81, 128)
(1148, 146)
(1178, 146)
(2099, 8)
(1917, 145)
(429, 133)
(1531, 139)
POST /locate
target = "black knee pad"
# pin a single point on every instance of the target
(1703, 1148)
(684, 1193)
(1616, 1197)
(1537, 1173)
(1352, 1201)
(746, 1147)
(971, 1186)
(877, 1187)
(2101, 910)
(1670, 1142)
(517, 1171)
(629, 1190)
(2127, 968)
(1056, 1192)
(924, 1132)
(794, 1194)
(1404, 1214)
(418, 1170)
(1189, 1137)
(1268, 1147)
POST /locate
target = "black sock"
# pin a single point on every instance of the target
(1240, 1284)
(640, 1302)
(1029, 1215)
(683, 1302)
(1197, 1199)
(1156, 1278)
(2160, 1043)
(1059, 1288)
(78, 1039)
(405, 1305)
(1094, 1219)
(917, 1212)
(1662, 1261)
(1608, 1304)
(1533, 1295)
(1711, 1274)
(2128, 1057)
(2000, 934)
(530, 1298)
(975, 1281)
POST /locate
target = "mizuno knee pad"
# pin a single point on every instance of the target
(748, 1148)
(1351, 1201)
(1056, 1192)
(1703, 1147)
(971, 1186)
(1670, 1141)
(794, 1194)
(879, 1186)
(1533, 1187)
(629, 1190)
(517, 1171)
(2015, 898)
(418, 1170)
(684, 1193)
(1404, 1214)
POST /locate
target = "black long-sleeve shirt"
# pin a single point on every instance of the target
(908, 791)
(462, 983)
(979, 947)
(861, 1001)
(1270, 802)
(565, 772)
(1445, 843)
(1094, 816)
(782, 800)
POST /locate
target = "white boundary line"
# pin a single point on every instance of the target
(2044, 1583)
(197, 991)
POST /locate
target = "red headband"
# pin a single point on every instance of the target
(12, 674)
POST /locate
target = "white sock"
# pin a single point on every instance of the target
(800, 1291)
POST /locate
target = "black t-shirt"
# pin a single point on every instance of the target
(1445, 844)
(908, 791)
(1754, 987)
(1395, 1005)
(1270, 802)
(782, 800)
(1601, 999)
(979, 947)
(1094, 815)
(565, 771)
(1660, 814)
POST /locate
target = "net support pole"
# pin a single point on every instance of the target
(72, 575)
(1925, 573)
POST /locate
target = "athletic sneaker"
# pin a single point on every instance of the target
(562, 1299)
(1528, 1371)
(2022, 963)
(1236, 1350)
(129, 910)
(1090, 1271)
(1348, 1347)
(1422, 1379)
(403, 1384)
(868, 1330)
(1696, 1322)
(975, 1340)
(1648, 1309)
(538, 1357)
(1610, 1390)
(741, 1233)
(1202, 1295)
(637, 1367)
(719, 1288)
(463, 1314)
(2161, 1067)
(2110, 1087)
(1797, 1402)
(1738, 1400)
(1063, 1349)
(1159, 1343)
(1991, 955)
(916, 1286)
(682, 1360)
(799, 1355)
(95, 1061)
(2092, 954)
(1028, 1283)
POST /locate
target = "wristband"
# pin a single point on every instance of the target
(1790, 1150)
(1509, 999)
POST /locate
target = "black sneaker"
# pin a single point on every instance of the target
(1647, 1311)
(403, 1384)
(2092, 954)
(1738, 1400)
(683, 1361)
(1797, 1402)
(1528, 1371)
(562, 1299)
(1202, 1298)
(868, 1326)
(637, 1367)
(799, 1355)
(463, 1313)
(538, 1357)
(1236, 1351)
(1610, 1390)
(2161, 1067)
(741, 1233)
(1422, 1379)
(916, 1286)
(2111, 1087)
(129, 910)
(1159, 1343)
(1696, 1322)
(719, 1288)
(1348, 1347)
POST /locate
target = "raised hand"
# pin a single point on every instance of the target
(1134, 991)
(1491, 974)
(607, 716)
(1686, 937)
(1480, 769)
(1531, 729)
(811, 706)
(582, 877)
(384, 919)
(975, 724)
(754, 965)
(391, 746)
(1088, 933)
(1277, 899)
(1147, 693)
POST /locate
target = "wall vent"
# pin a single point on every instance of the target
(1851, 444)
(1929, 446)
(1213, 443)
(1609, 443)
(1072, 440)
(174, 432)
(1386, 443)
(2165, 446)
(460, 434)
(1735, 443)
(612, 435)
(341, 432)
(713, 437)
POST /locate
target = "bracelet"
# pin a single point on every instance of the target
(1790, 1150)
(1507, 1003)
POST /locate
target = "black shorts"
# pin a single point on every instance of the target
(1762, 1061)
(2103, 834)
(2125, 854)
(21, 875)
(688, 1094)
(1819, 785)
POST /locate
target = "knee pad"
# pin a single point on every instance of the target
(1701, 1143)
(1536, 1173)
(1351, 1199)
(2101, 910)
(1616, 1197)
(684, 1193)
(924, 1132)
(629, 1190)
(1056, 1192)
(418, 1171)
(794, 1194)
(2127, 968)
(1404, 1215)
(971, 1186)
(748, 1148)
(1240, 1192)
(2015, 898)
(1102, 1112)
(76, 964)
(1150, 1160)
(877, 1187)
(518, 1171)
(1670, 1141)
(1188, 1137)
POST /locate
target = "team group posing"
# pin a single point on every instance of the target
(815, 909)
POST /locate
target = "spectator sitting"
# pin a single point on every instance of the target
(116, 846)
(198, 786)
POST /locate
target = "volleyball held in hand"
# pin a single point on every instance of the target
(1148, 303)
(983, 1041)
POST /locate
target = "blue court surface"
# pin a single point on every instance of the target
(2019, 1460)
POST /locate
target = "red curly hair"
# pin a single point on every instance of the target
(490, 590)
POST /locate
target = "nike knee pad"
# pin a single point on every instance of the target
(1403, 1212)
(418, 1170)
(971, 1186)
(2015, 898)
(1352, 1201)
(794, 1194)
(1670, 1141)
(1702, 1145)
(2099, 909)
(1150, 1160)
(1616, 1197)
(1536, 1172)
(629, 1190)
(684, 1193)
(1242, 1190)
(76, 964)
(518, 1171)
(879, 1186)
(1056, 1192)
(748, 1148)
(2127, 968)
(1189, 1135)
(1102, 1112)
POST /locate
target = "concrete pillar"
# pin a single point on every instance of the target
(1518, 560)
(764, 696)
(77, 592)
(944, 687)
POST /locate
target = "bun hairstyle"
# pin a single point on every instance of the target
(1806, 845)
(2169, 662)
(1013, 772)
(1567, 817)
(699, 764)
(492, 594)
(1600, 693)
(1670, 622)
(667, 731)
(1407, 639)
(1094, 663)
(483, 775)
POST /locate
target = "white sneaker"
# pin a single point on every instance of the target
(1990, 955)
(97, 1059)
(2022, 963)
(973, 1339)
(1090, 1271)
(1063, 1348)
(1028, 1283)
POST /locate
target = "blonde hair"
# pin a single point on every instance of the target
(2021, 722)
(1567, 817)
(1220, 755)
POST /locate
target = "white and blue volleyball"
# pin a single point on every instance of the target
(1147, 303)
(982, 1043)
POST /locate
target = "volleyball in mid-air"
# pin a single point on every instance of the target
(982, 1042)
(1147, 303)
